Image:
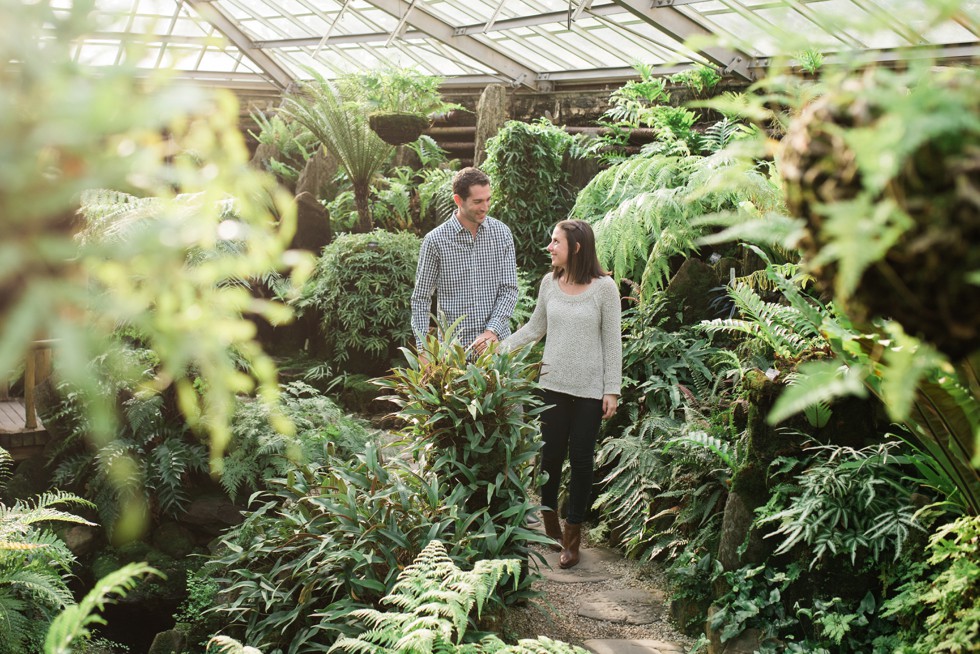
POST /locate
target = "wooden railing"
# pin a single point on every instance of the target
(37, 368)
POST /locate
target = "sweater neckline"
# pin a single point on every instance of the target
(568, 296)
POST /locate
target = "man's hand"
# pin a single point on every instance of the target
(609, 404)
(483, 340)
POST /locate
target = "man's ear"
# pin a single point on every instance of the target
(458, 200)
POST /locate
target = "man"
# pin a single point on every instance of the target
(469, 262)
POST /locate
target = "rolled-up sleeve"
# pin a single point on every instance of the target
(507, 291)
(425, 283)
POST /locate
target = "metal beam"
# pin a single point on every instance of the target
(599, 75)
(276, 73)
(422, 20)
(678, 26)
(948, 53)
(495, 25)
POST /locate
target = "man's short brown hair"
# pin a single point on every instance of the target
(467, 178)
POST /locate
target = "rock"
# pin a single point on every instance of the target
(736, 525)
(263, 153)
(49, 409)
(105, 563)
(82, 540)
(689, 293)
(317, 175)
(173, 540)
(688, 614)
(31, 477)
(212, 513)
(312, 225)
(588, 570)
(628, 606)
(172, 641)
(491, 113)
(624, 646)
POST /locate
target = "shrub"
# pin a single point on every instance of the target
(531, 191)
(258, 452)
(473, 425)
(362, 288)
(846, 502)
(941, 604)
(146, 469)
(326, 541)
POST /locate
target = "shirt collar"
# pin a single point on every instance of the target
(460, 228)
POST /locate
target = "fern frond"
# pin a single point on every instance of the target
(435, 598)
(228, 645)
(6, 467)
(72, 625)
(41, 586)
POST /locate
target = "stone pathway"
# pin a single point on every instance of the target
(605, 604)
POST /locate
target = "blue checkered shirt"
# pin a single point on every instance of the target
(472, 277)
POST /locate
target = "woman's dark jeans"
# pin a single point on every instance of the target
(569, 428)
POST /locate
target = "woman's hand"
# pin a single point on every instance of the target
(609, 404)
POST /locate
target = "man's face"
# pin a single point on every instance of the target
(473, 209)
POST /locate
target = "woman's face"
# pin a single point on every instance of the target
(559, 248)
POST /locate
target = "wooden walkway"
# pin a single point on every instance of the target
(22, 443)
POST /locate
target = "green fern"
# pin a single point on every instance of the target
(435, 196)
(6, 467)
(786, 330)
(720, 135)
(644, 210)
(72, 625)
(34, 568)
(434, 599)
(728, 452)
(429, 153)
(632, 486)
(228, 645)
(844, 503)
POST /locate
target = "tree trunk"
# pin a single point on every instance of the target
(364, 222)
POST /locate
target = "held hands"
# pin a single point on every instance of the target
(483, 340)
(609, 404)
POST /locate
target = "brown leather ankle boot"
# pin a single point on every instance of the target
(569, 554)
(552, 527)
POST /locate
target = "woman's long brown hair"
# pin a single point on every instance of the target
(583, 263)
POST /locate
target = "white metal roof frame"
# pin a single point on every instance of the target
(539, 44)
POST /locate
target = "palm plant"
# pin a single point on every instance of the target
(340, 123)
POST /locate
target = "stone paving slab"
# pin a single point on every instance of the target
(614, 646)
(588, 570)
(628, 606)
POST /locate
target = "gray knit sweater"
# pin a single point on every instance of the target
(583, 354)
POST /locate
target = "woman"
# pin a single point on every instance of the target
(579, 310)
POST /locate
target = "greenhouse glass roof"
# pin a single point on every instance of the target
(539, 44)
